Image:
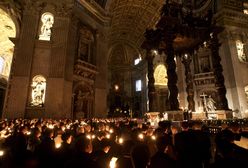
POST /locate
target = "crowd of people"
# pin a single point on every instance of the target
(118, 143)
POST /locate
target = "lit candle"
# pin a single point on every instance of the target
(153, 137)
(112, 163)
(57, 145)
(141, 136)
(1, 153)
(121, 140)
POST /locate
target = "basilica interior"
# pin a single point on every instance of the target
(123, 58)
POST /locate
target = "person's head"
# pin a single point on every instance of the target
(67, 137)
(87, 128)
(159, 132)
(197, 125)
(140, 156)
(128, 146)
(105, 145)
(36, 133)
(83, 144)
(174, 129)
(225, 141)
(23, 129)
(162, 143)
(48, 133)
(101, 126)
(80, 130)
(185, 126)
(234, 127)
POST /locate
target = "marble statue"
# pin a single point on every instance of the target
(240, 51)
(210, 104)
(47, 23)
(38, 94)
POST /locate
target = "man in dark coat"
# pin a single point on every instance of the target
(82, 156)
(161, 159)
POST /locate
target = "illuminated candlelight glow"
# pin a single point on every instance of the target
(108, 136)
(58, 145)
(1, 152)
(50, 126)
(141, 136)
(121, 140)
(153, 137)
(88, 136)
(112, 163)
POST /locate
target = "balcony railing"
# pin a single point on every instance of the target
(204, 78)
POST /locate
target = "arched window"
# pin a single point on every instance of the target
(160, 75)
(1, 65)
(241, 51)
(38, 91)
(47, 21)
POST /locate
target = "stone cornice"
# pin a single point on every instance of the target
(94, 9)
(232, 18)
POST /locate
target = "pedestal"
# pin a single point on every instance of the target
(219, 115)
(35, 112)
(224, 114)
(199, 116)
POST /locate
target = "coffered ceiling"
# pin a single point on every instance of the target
(130, 18)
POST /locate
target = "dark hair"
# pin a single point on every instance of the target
(162, 142)
(140, 155)
(81, 144)
(185, 125)
(65, 136)
(104, 143)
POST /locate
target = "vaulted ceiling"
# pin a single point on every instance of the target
(130, 18)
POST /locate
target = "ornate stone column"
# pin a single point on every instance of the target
(217, 68)
(151, 81)
(186, 60)
(171, 70)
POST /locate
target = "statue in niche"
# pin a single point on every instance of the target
(81, 103)
(84, 51)
(85, 41)
(47, 23)
(246, 93)
(241, 52)
(38, 91)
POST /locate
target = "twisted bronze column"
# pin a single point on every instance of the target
(171, 70)
(151, 81)
(186, 60)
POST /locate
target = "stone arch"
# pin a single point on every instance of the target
(8, 32)
(14, 16)
(10, 21)
(126, 49)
